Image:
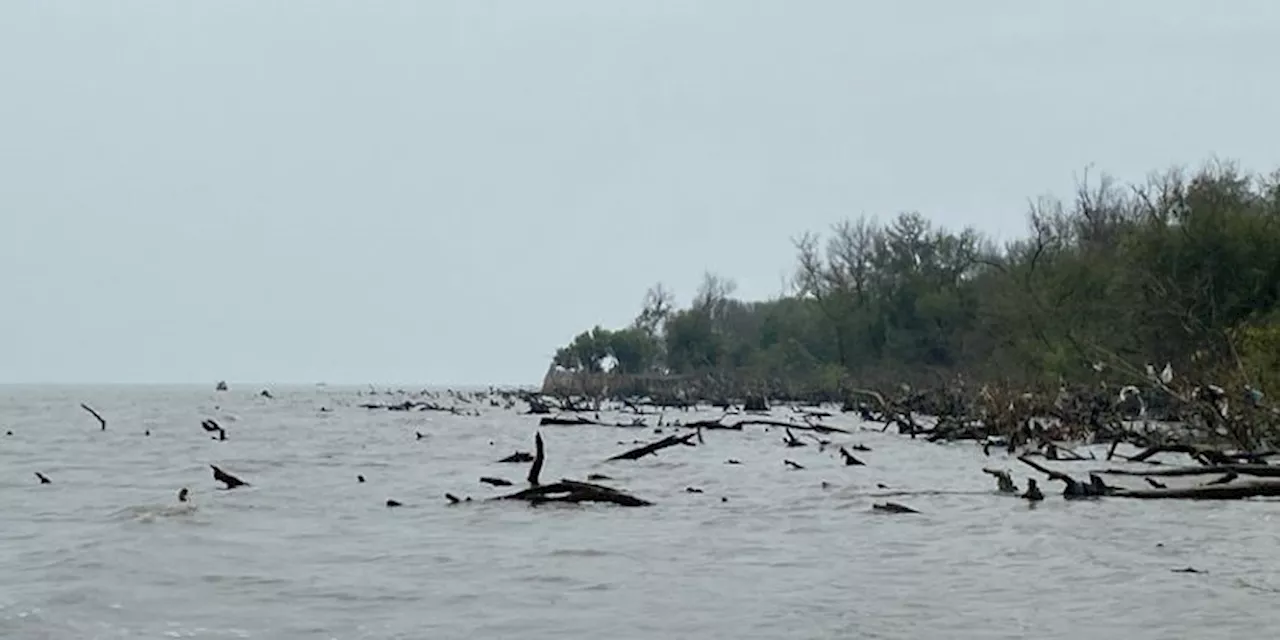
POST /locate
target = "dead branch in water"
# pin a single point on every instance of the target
(1220, 489)
(567, 422)
(713, 424)
(849, 460)
(819, 428)
(538, 457)
(573, 491)
(1204, 455)
(227, 479)
(101, 421)
(1259, 470)
(654, 447)
(565, 490)
(1074, 488)
(1004, 480)
(892, 507)
(1231, 491)
(791, 440)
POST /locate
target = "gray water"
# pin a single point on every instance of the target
(105, 551)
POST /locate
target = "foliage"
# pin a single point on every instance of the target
(1181, 269)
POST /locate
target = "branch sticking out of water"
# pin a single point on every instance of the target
(574, 492)
(538, 457)
(654, 447)
(1262, 470)
(565, 490)
(101, 421)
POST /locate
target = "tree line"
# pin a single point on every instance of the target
(1183, 270)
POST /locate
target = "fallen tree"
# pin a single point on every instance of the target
(1229, 491)
(1261, 470)
(567, 491)
(654, 447)
(572, 491)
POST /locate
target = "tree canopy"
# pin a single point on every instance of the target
(1183, 269)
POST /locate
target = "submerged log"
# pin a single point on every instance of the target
(807, 426)
(791, 440)
(227, 479)
(519, 456)
(654, 447)
(849, 460)
(1232, 491)
(1074, 489)
(892, 507)
(566, 421)
(712, 424)
(572, 491)
(1260, 470)
(1206, 455)
(1004, 480)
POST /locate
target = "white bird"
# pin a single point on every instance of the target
(1098, 366)
(1135, 392)
(1166, 375)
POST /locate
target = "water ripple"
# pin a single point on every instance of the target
(763, 552)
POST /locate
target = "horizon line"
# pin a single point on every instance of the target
(257, 384)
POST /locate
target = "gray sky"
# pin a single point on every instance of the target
(444, 192)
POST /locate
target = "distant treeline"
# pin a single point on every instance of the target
(1183, 269)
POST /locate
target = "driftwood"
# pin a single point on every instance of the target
(892, 507)
(409, 405)
(1260, 470)
(575, 492)
(539, 457)
(1004, 480)
(213, 427)
(849, 460)
(654, 447)
(565, 490)
(1074, 488)
(819, 428)
(1055, 452)
(496, 482)
(712, 424)
(519, 456)
(537, 406)
(1232, 491)
(567, 422)
(791, 440)
(101, 421)
(227, 479)
(1205, 455)
(1220, 489)
(1033, 492)
(890, 414)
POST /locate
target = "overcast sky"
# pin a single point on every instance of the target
(444, 192)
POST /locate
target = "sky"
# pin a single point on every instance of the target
(444, 192)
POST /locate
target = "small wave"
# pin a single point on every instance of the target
(151, 513)
(579, 553)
